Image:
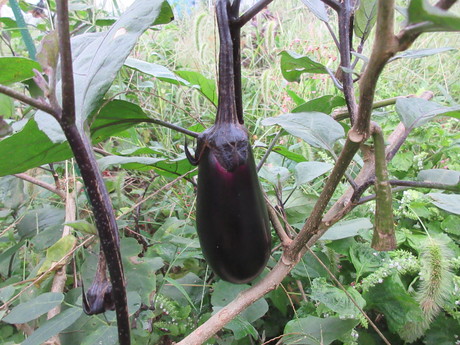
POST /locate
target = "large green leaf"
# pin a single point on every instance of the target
(423, 11)
(32, 309)
(97, 63)
(323, 104)
(308, 171)
(40, 219)
(41, 140)
(317, 129)
(415, 112)
(285, 152)
(318, 8)
(336, 299)
(365, 259)
(316, 331)
(447, 202)
(224, 293)
(448, 177)
(53, 326)
(365, 17)
(57, 252)
(293, 65)
(116, 116)
(103, 335)
(347, 228)
(16, 69)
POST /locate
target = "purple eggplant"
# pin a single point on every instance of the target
(232, 220)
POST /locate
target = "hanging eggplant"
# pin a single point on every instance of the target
(232, 220)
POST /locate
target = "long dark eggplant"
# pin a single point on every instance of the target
(232, 220)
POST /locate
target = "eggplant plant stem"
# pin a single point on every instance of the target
(251, 12)
(384, 237)
(36, 103)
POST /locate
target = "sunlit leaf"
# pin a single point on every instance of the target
(347, 228)
(323, 104)
(15, 69)
(293, 65)
(308, 171)
(420, 53)
(318, 8)
(447, 202)
(365, 17)
(423, 11)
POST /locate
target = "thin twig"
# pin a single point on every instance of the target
(421, 184)
(42, 184)
(256, 8)
(36, 103)
(269, 150)
(334, 4)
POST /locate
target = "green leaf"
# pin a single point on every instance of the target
(299, 206)
(309, 267)
(365, 17)
(155, 70)
(308, 171)
(274, 174)
(57, 251)
(103, 335)
(448, 177)
(42, 142)
(6, 106)
(365, 259)
(225, 292)
(166, 14)
(323, 104)
(423, 11)
(415, 112)
(16, 69)
(420, 53)
(241, 328)
(116, 116)
(283, 151)
(207, 87)
(32, 309)
(83, 226)
(317, 129)
(53, 326)
(336, 299)
(392, 299)
(48, 52)
(95, 72)
(443, 331)
(318, 8)
(293, 65)
(316, 331)
(347, 228)
(6, 293)
(446, 202)
(40, 219)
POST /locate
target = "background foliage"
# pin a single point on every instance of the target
(411, 293)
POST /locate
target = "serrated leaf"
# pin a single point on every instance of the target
(347, 228)
(155, 70)
(207, 87)
(53, 326)
(32, 309)
(420, 53)
(446, 202)
(316, 331)
(365, 17)
(323, 104)
(57, 251)
(293, 65)
(392, 299)
(415, 112)
(318, 8)
(308, 171)
(336, 299)
(16, 69)
(317, 129)
(448, 177)
(423, 11)
(365, 259)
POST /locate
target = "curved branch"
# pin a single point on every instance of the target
(42, 184)
(246, 16)
(36, 103)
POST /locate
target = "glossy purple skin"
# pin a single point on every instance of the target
(232, 220)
